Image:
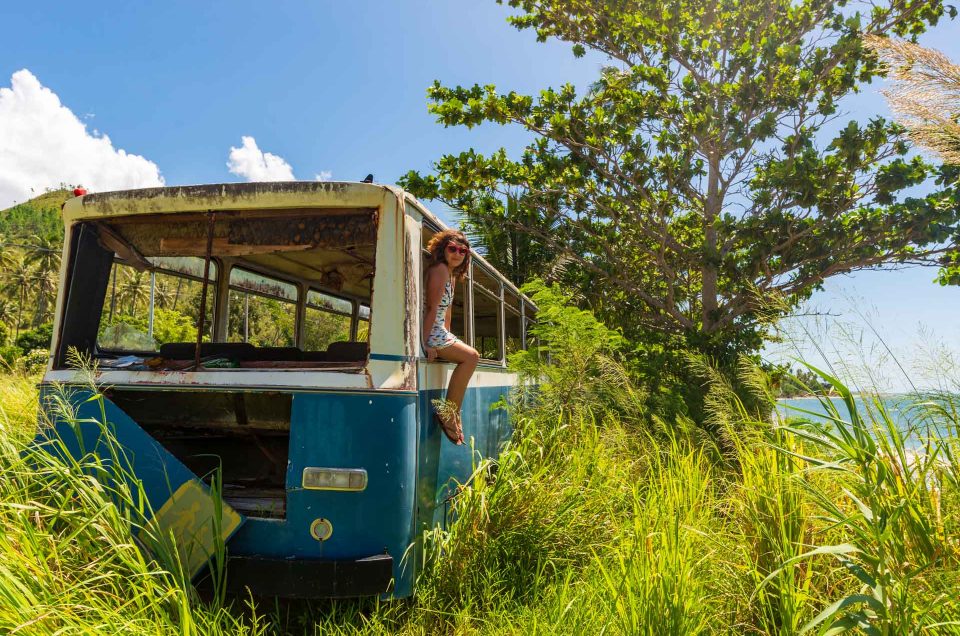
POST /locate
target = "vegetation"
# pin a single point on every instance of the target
(39, 217)
(926, 98)
(31, 240)
(703, 184)
(600, 513)
(697, 192)
(801, 382)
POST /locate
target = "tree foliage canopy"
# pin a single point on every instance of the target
(706, 171)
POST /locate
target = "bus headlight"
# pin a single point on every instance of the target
(351, 479)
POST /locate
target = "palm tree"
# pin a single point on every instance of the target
(134, 288)
(46, 289)
(508, 234)
(44, 255)
(163, 292)
(19, 276)
(7, 312)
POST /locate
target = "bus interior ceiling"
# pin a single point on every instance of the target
(244, 435)
(303, 244)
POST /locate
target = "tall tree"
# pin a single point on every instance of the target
(19, 277)
(163, 292)
(134, 288)
(706, 171)
(8, 312)
(43, 253)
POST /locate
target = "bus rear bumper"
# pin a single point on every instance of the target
(309, 578)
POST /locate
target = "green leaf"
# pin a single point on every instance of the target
(835, 608)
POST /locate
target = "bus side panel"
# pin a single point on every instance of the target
(373, 431)
(443, 465)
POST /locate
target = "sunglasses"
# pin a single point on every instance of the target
(453, 249)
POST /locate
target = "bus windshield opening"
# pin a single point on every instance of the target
(284, 289)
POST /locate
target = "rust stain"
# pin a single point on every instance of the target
(218, 190)
(218, 193)
(411, 299)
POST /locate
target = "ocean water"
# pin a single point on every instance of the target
(917, 417)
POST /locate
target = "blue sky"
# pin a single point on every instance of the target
(338, 88)
(328, 86)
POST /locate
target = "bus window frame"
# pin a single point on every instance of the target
(212, 283)
(299, 304)
(496, 276)
(353, 315)
(357, 319)
(303, 286)
(516, 312)
(353, 303)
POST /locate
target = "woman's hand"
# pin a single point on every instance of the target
(431, 353)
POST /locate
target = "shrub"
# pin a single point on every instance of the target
(38, 338)
(575, 363)
(34, 361)
(9, 355)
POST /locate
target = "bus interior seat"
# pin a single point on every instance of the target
(346, 351)
(270, 354)
(186, 350)
(342, 351)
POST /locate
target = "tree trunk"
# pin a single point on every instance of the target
(19, 312)
(176, 295)
(711, 257)
(41, 308)
(113, 294)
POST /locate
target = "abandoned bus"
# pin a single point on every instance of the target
(269, 334)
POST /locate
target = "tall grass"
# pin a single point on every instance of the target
(599, 517)
(69, 562)
(887, 507)
(659, 579)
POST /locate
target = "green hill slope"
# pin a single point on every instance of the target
(39, 216)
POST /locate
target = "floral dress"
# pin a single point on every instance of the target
(439, 337)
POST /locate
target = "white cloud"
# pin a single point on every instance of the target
(251, 163)
(323, 175)
(43, 144)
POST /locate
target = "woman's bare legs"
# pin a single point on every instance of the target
(466, 358)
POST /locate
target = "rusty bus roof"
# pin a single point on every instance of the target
(223, 196)
(278, 195)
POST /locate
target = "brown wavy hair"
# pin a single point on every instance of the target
(438, 250)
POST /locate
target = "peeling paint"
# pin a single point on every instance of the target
(226, 196)
(411, 320)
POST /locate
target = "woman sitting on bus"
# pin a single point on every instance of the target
(449, 259)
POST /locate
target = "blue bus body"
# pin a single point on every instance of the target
(331, 466)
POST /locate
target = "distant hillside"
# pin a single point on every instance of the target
(39, 216)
